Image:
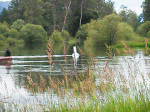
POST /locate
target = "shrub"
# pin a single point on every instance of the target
(124, 32)
(33, 34)
(17, 25)
(65, 35)
(12, 33)
(2, 40)
(4, 28)
(144, 28)
(82, 33)
(12, 41)
(148, 34)
(102, 31)
(56, 36)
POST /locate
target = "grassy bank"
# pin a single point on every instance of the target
(131, 44)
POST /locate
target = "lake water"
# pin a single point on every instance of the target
(27, 61)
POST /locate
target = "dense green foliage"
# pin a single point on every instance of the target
(51, 14)
(18, 32)
(110, 30)
(146, 10)
(33, 34)
(124, 32)
(94, 21)
(17, 25)
(144, 29)
(82, 32)
(106, 31)
(60, 36)
(129, 17)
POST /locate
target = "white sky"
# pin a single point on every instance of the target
(5, 0)
(134, 5)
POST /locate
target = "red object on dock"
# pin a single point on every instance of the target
(8, 58)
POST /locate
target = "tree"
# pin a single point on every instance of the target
(33, 34)
(133, 20)
(16, 10)
(82, 32)
(60, 36)
(130, 17)
(17, 25)
(102, 31)
(124, 32)
(4, 16)
(110, 26)
(12, 33)
(57, 14)
(83, 11)
(34, 11)
(144, 28)
(4, 27)
(107, 8)
(146, 10)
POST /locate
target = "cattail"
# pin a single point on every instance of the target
(49, 52)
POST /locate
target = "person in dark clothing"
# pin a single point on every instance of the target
(7, 52)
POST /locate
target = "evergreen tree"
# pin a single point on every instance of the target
(4, 16)
(33, 11)
(146, 10)
(16, 10)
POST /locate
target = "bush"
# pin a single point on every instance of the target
(12, 41)
(33, 34)
(144, 29)
(2, 37)
(148, 34)
(12, 33)
(4, 28)
(17, 25)
(56, 36)
(82, 33)
(65, 35)
(124, 32)
(2, 40)
(102, 31)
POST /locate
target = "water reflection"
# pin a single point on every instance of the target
(13, 76)
(5, 66)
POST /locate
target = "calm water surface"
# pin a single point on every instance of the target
(13, 75)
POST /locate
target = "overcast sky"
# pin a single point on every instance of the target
(134, 5)
(5, 0)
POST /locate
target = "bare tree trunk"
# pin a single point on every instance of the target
(67, 10)
(81, 13)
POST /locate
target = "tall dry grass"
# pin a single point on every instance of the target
(108, 90)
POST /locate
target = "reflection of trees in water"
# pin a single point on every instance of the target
(58, 48)
(7, 66)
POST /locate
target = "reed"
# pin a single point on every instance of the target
(49, 52)
(108, 90)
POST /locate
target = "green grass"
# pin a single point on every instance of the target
(94, 104)
(131, 44)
